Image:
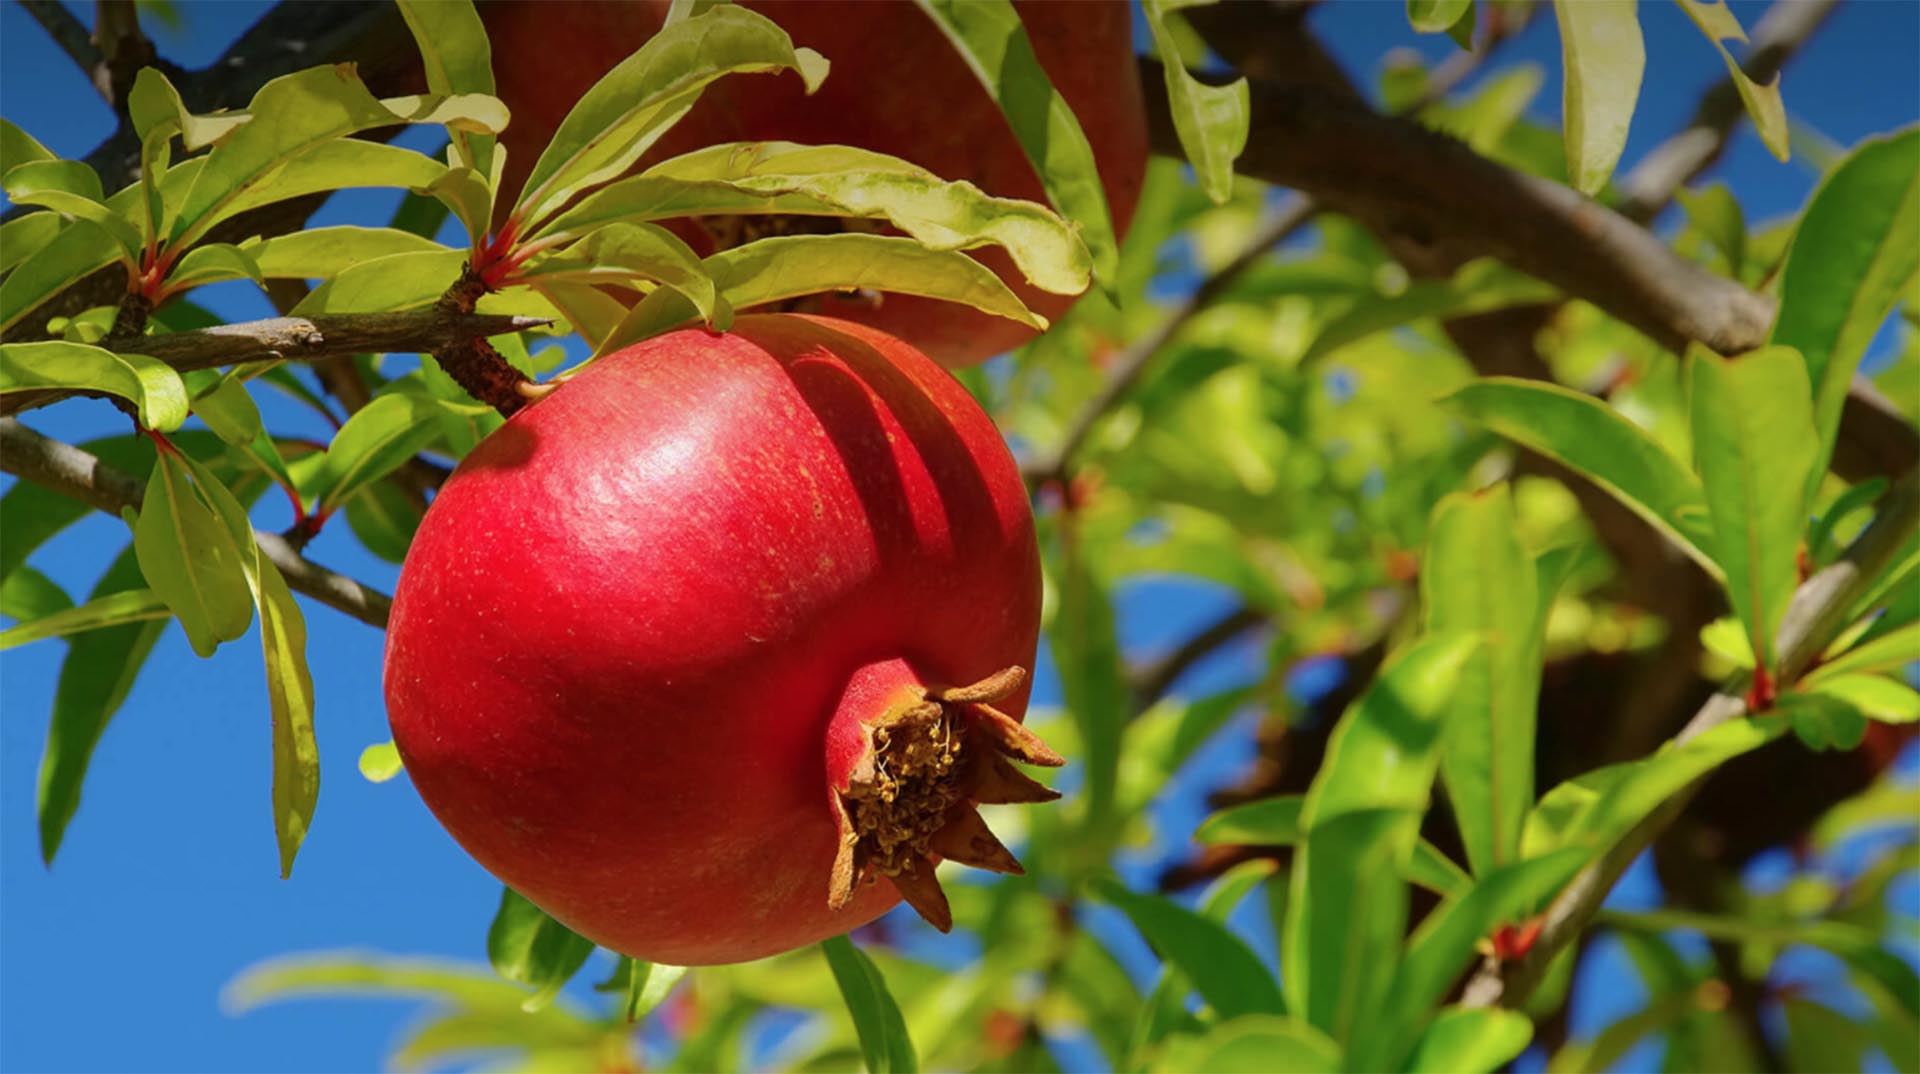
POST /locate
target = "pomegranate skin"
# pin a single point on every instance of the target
(628, 621)
(896, 86)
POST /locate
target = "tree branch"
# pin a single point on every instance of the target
(1816, 615)
(1151, 681)
(312, 339)
(81, 476)
(67, 32)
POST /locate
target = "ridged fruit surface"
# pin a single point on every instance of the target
(711, 650)
(896, 87)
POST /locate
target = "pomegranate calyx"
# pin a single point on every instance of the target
(928, 762)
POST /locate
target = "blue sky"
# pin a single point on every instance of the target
(167, 883)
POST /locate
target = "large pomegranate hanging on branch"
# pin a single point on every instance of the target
(712, 652)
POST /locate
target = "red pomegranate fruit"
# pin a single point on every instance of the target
(897, 86)
(712, 652)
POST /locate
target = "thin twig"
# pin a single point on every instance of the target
(1816, 615)
(1151, 681)
(80, 475)
(311, 339)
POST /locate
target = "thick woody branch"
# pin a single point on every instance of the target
(81, 476)
(1817, 614)
(1405, 179)
(308, 339)
(67, 32)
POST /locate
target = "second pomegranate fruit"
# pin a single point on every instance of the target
(712, 652)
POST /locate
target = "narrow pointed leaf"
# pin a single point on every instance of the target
(113, 609)
(190, 559)
(212, 262)
(1888, 652)
(1477, 579)
(75, 252)
(1631, 791)
(155, 106)
(458, 58)
(790, 179)
(394, 282)
(25, 235)
(527, 946)
(1471, 1041)
(1276, 822)
(1855, 251)
(1604, 57)
(345, 164)
(1581, 432)
(1220, 966)
(323, 252)
(17, 147)
(990, 38)
(95, 677)
(1346, 916)
(647, 984)
(70, 188)
(373, 443)
(620, 253)
(877, 1022)
(152, 386)
(628, 109)
(1763, 103)
(1254, 1044)
(1753, 445)
(1437, 16)
(1211, 121)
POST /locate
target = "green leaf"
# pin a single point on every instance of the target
(1477, 579)
(384, 520)
(380, 762)
(94, 680)
(1255, 1044)
(841, 181)
(1471, 1041)
(296, 754)
(1888, 652)
(633, 104)
(1211, 121)
(1628, 792)
(297, 976)
(527, 946)
(190, 558)
(77, 251)
(283, 645)
(884, 1043)
(151, 385)
(394, 282)
(792, 266)
(1763, 103)
(301, 112)
(157, 108)
(1583, 433)
(458, 59)
(1345, 919)
(1852, 506)
(27, 595)
(324, 252)
(619, 253)
(1443, 947)
(1855, 250)
(211, 263)
(17, 147)
(25, 235)
(113, 609)
(373, 443)
(1753, 443)
(1386, 749)
(1604, 57)
(1093, 683)
(71, 188)
(339, 165)
(1440, 16)
(1823, 722)
(1221, 967)
(230, 412)
(1877, 696)
(647, 984)
(1716, 214)
(1480, 285)
(1276, 822)
(990, 38)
